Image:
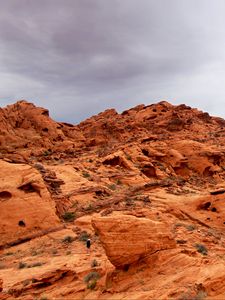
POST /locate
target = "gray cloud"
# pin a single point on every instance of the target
(79, 57)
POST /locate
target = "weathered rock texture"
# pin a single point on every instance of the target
(25, 204)
(128, 239)
(159, 140)
(151, 179)
(27, 130)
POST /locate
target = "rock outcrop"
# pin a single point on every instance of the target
(172, 140)
(149, 181)
(128, 239)
(44, 280)
(30, 131)
(25, 204)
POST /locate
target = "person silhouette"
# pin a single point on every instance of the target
(88, 244)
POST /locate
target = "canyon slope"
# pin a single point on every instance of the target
(147, 186)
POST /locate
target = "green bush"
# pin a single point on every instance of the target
(118, 182)
(37, 264)
(201, 249)
(84, 236)
(46, 153)
(68, 239)
(94, 263)
(92, 284)
(69, 216)
(190, 227)
(86, 175)
(112, 187)
(91, 279)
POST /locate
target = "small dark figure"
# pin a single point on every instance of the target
(88, 244)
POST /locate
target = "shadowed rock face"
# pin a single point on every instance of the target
(128, 239)
(1, 284)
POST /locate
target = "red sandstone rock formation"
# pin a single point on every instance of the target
(26, 207)
(129, 239)
(152, 181)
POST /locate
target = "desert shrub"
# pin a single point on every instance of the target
(128, 157)
(92, 284)
(181, 242)
(89, 207)
(68, 239)
(22, 265)
(46, 153)
(112, 187)
(190, 227)
(69, 216)
(9, 253)
(44, 298)
(36, 264)
(83, 236)
(201, 249)
(198, 295)
(91, 275)
(94, 263)
(86, 175)
(178, 225)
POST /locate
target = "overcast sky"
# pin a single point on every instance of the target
(80, 57)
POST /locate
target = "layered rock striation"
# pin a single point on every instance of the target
(129, 239)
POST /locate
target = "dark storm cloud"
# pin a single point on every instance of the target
(79, 57)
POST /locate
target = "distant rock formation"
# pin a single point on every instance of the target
(160, 140)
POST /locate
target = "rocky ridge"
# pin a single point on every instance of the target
(146, 185)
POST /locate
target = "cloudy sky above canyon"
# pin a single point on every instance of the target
(80, 57)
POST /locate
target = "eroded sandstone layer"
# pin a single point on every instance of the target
(25, 204)
(147, 186)
(129, 239)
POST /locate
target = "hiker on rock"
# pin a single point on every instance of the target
(88, 244)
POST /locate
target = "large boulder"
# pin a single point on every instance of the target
(25, 204)
(128, 239)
